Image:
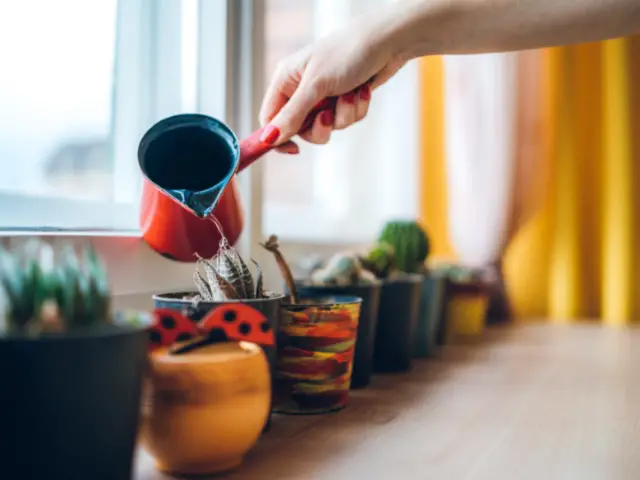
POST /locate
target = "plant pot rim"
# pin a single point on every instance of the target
(78, 334)
(178, 297)
(335, 300)
(303, 284)
(405, 278)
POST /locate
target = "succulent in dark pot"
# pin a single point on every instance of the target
(344, 274)
(72, 367)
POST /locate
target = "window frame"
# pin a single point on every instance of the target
(135, 270)
(149, 27)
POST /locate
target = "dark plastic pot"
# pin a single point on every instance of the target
(70, 403)
(315, 354)
(443, 328)
(269, 307)
(397, 321)
(370, 295)
(431, 306)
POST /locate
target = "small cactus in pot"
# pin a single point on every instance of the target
(410, 245)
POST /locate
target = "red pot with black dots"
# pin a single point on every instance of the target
(237, 320)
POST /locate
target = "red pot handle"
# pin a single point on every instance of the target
(252, 148)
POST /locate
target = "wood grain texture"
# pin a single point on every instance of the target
(529, 402)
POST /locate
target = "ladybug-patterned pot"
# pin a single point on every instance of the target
(269, 307)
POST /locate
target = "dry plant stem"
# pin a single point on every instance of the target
(273, 246)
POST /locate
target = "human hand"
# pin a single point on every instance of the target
(348, 64)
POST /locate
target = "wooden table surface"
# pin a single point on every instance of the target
(529, 402)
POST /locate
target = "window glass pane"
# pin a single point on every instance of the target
(367, 173)
(297, 15)
(56, 95)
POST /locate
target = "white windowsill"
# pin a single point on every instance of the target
(63, 232)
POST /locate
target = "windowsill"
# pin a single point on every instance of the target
(63, 232)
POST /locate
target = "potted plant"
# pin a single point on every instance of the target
(71, 371)
(466, 302)
(402, 275)
(316, 346)
(344, 275)
(208, 390)
(226, 279)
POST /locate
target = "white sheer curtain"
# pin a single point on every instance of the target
(480, 149)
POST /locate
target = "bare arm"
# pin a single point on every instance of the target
(376, 45)
(424, 27)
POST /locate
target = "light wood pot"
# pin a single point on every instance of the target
(204, 410)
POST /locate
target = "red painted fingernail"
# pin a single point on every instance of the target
(270, 135)
(326, 118)
(365, 93)
(349, 97)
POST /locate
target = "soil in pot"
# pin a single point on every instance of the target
(70, 403)
(315, 354)
(370, 295)
(397, 320)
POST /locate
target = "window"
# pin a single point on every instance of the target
(81, 82)
(345, 190)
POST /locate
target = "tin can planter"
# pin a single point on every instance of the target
(370, 294)
(315, 354)
(397, 322)
(269, 307)
(429, 315)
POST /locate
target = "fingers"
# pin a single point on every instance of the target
(352, 107)
(320, 131)
(276, 95)
(290, 118)
(290, 148)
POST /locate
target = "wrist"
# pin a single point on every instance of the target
(416, 28)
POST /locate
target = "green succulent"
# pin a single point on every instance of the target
(410, 244)
(380, 259)
(342, 269)
(44, 292)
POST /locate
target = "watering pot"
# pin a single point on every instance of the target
(189, 162)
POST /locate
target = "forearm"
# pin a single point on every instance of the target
(427, 27)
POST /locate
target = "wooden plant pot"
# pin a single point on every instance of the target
(203, 410)
(315, 354)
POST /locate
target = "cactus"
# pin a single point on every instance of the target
(410, 244)
(380, 260)
(42, 292)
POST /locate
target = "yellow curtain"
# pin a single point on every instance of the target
(572, 254)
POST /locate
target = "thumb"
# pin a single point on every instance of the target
(290, 118)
